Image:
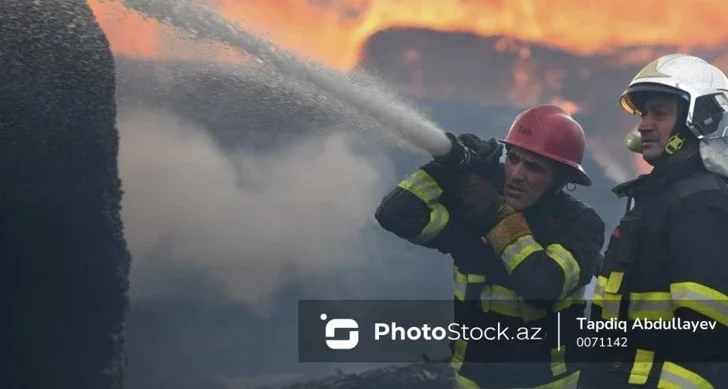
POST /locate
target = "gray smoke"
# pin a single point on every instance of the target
(302, 208)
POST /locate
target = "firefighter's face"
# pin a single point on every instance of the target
(659, 114)
(528, 177)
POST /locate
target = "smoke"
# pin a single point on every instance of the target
(252, 219)
(613, 168)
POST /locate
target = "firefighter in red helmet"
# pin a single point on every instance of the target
(523, 250)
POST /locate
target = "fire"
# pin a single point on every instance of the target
(568, 106)
(133, 35)
(129, 33)
(334, 31)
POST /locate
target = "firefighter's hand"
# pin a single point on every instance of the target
(460, 157)
(489, 151)
(483, 205)
(487, 164)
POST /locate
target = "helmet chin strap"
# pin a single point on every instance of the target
(674, 144)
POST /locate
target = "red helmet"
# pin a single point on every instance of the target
(549, 131)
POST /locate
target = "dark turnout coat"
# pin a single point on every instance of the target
(548, 276)
(667, 262)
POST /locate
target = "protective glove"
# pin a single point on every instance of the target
(489, 152)
(459, 157)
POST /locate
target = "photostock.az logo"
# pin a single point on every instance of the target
(341, 324)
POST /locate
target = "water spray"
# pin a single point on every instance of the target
(358, 90)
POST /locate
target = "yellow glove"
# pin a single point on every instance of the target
(511, 226)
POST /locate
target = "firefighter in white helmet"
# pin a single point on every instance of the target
(665, 273)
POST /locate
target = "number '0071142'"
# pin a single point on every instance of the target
(601, 341)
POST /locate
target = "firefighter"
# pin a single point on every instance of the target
(522, 248)
(667, 260)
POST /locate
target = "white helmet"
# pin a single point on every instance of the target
(704, 89)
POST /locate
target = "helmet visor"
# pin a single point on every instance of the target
(634, 98)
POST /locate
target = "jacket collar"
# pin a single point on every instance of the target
(539, 215)
(660, 178)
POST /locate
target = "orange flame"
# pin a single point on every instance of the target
(133, 35)
(568, 106)
(334, 31)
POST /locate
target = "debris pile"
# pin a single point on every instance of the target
(413, 376)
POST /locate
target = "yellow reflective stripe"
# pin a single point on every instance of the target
(464, 383)
(518, 251)
(673, 376)
(643, 361)
(702, 299)
(498, 299)
(501, 300)
(460, 284)
(568, 264)
(610, 306)
(558, 361)
(458, 355)
(611, 300)
(459, 290)
(568, 382)
(425, 188)
(598, 297)
(650, 306)
(422, 185)
(439, 217)
(476, 278)
(461, 281)
(614, 282)
(608, 302)
(575, 298)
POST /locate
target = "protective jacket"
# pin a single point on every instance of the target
(667, 259)
(536, 276)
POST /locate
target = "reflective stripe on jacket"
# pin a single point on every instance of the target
(675, 269)
(534, 277)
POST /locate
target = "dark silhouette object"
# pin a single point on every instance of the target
(63, 263)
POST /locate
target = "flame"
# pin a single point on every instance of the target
(335, 31)
(568, 106)
(131, 34)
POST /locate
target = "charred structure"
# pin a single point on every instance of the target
(63, 272)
